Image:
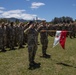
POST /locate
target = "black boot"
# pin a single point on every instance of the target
(12, 48)
(3, 50)
(45, 56)
(21, 46)
(34, 65)
(31, 66)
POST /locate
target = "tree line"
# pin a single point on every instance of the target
(63, 19)
(56, 20)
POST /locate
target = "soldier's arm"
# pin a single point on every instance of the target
(26, 31)
(26, 26)
(39, 28)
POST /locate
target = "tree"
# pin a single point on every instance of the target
(62, 20)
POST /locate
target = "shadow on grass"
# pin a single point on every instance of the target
(2, 51)
(64, 64)
(8, 49)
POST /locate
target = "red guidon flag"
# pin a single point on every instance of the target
(60, 37)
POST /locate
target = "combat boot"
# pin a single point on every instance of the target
(45, 56)
(21, 46)
(12, 48)
(36, 64)
(31, 66)
(3, 50)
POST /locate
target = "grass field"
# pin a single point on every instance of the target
(62, 62)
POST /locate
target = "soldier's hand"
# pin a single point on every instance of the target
(30, 26)
(40, 26)
(43, 31)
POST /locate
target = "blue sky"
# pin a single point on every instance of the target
(43, 9)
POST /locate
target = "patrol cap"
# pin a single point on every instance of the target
(6, 23)
(31, 22)
(43, 21)
(12, 23)
(2, 23)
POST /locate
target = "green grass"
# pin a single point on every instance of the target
(16, 62)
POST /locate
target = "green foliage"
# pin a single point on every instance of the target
(3, 20)
(16, 62)
(62, 20)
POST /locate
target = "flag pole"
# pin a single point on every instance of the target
(53, 30)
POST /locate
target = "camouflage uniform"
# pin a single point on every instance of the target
(12, 36)
(2, 37)
(32, 46)
(20, 35)
(72, 33)
(44, 40)
(16, 35)
(7, 36)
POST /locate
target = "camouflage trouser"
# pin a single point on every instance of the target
(72, 34)
(16, 40)
(20, 41)
(11, 41)
(2, 43)
(32, 51)
(25, 38)
(8, 41)
(44, 43)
